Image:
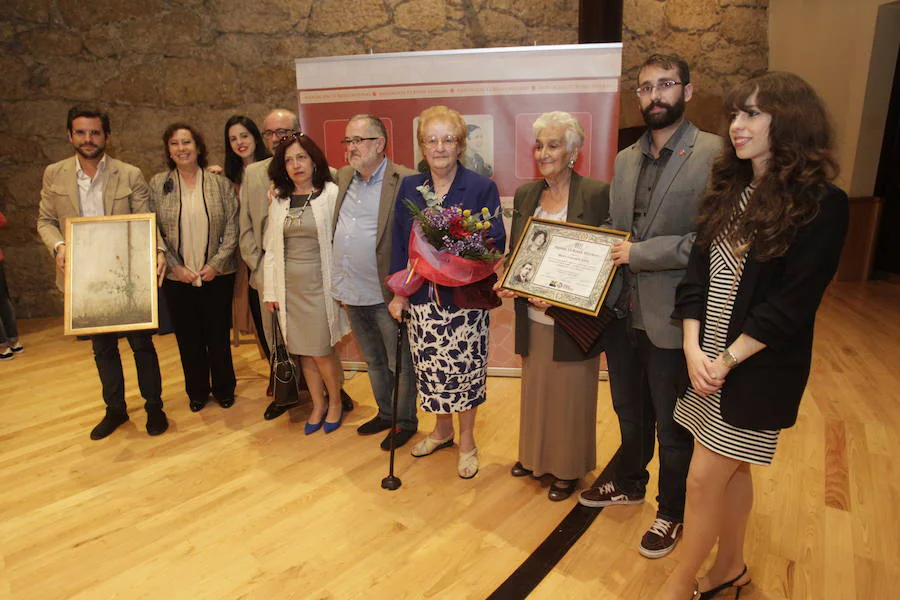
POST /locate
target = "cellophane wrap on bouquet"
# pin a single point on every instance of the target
(437, 266)
(448, 246)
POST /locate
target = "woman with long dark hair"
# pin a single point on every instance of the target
(243, 146)
(771, 229)
(297, 272)
(196, 212)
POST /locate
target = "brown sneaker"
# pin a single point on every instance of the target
(660, 539)
(606, 495)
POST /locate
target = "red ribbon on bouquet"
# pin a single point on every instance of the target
(437, 266)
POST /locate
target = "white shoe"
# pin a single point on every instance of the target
(467, 467)
(430, 445)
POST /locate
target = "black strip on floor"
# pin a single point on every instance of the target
(531, 572)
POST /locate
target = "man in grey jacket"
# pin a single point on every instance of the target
(658, 184)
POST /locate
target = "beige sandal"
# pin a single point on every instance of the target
(467, 467)
(430, 445)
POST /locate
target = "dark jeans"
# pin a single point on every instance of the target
(109, 366)
(256, 313)
(8, 330)
(202, 320)
(376, 333)
(644, 380)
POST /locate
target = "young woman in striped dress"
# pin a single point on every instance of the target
(771, 228)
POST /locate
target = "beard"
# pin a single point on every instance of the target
(90, 152)
(670, 114)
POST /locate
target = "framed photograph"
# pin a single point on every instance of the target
(564, 264)
(111, 274)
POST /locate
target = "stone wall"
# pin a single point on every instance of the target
(154, 61)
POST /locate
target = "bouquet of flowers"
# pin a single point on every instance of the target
(447, 245)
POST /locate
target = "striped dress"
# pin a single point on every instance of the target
(703, 416)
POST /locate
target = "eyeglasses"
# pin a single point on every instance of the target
(448, 140)
(662, 86)
(277, 133)
(356, 140)
(291, 136)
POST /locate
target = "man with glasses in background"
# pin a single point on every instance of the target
(658, 184)
(254, 213)
(364, 222)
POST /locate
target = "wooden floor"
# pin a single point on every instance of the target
(226, 505)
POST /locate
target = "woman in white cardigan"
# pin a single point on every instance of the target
(297, 272)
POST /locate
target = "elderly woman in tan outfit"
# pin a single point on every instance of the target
(557, 427)
(197, 216)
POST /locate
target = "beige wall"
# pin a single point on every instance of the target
(847, 49)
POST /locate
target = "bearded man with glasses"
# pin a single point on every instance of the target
(253, 217)
(655, 194)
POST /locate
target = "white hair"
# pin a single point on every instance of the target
(557, 118)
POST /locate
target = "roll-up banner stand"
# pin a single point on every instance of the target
(500, 91)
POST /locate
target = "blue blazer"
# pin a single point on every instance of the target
(469, 190)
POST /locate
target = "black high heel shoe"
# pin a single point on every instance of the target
(712, 593)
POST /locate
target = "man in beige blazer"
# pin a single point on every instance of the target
(94, 184)
(363, 224)
(253, 219)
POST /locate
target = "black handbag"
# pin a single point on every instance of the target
(288, 383)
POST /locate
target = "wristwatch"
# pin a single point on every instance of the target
(728, 358)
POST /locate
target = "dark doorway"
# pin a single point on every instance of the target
(887, 186)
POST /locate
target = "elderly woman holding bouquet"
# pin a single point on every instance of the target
(448, 236)
(557, 424)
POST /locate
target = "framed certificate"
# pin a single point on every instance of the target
(111, 280)
(564, 264)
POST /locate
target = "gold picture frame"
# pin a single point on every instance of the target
(111, 283)
(564, 264)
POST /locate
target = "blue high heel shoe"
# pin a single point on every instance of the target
(309, 428)
(329, 426)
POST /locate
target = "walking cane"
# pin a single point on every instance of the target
(391, 482)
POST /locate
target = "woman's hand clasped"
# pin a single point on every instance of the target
(706, 375)
(183, 274)
(207, 273)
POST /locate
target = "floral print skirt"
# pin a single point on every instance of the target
(449, 350)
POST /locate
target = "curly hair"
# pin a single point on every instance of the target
(284, 185)
(786, 197)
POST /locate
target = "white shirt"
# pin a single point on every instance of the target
(90, 189)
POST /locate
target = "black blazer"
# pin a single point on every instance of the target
(588, 205)
(775, 303)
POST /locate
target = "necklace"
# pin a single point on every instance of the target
(293, 219)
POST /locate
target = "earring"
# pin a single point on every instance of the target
(571, 162)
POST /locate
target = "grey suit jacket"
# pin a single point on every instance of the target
(125, 192)
(588, 205)
(660, 251)
(393, 174)
(222, 211)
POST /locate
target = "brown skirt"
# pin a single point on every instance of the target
(558, 420)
